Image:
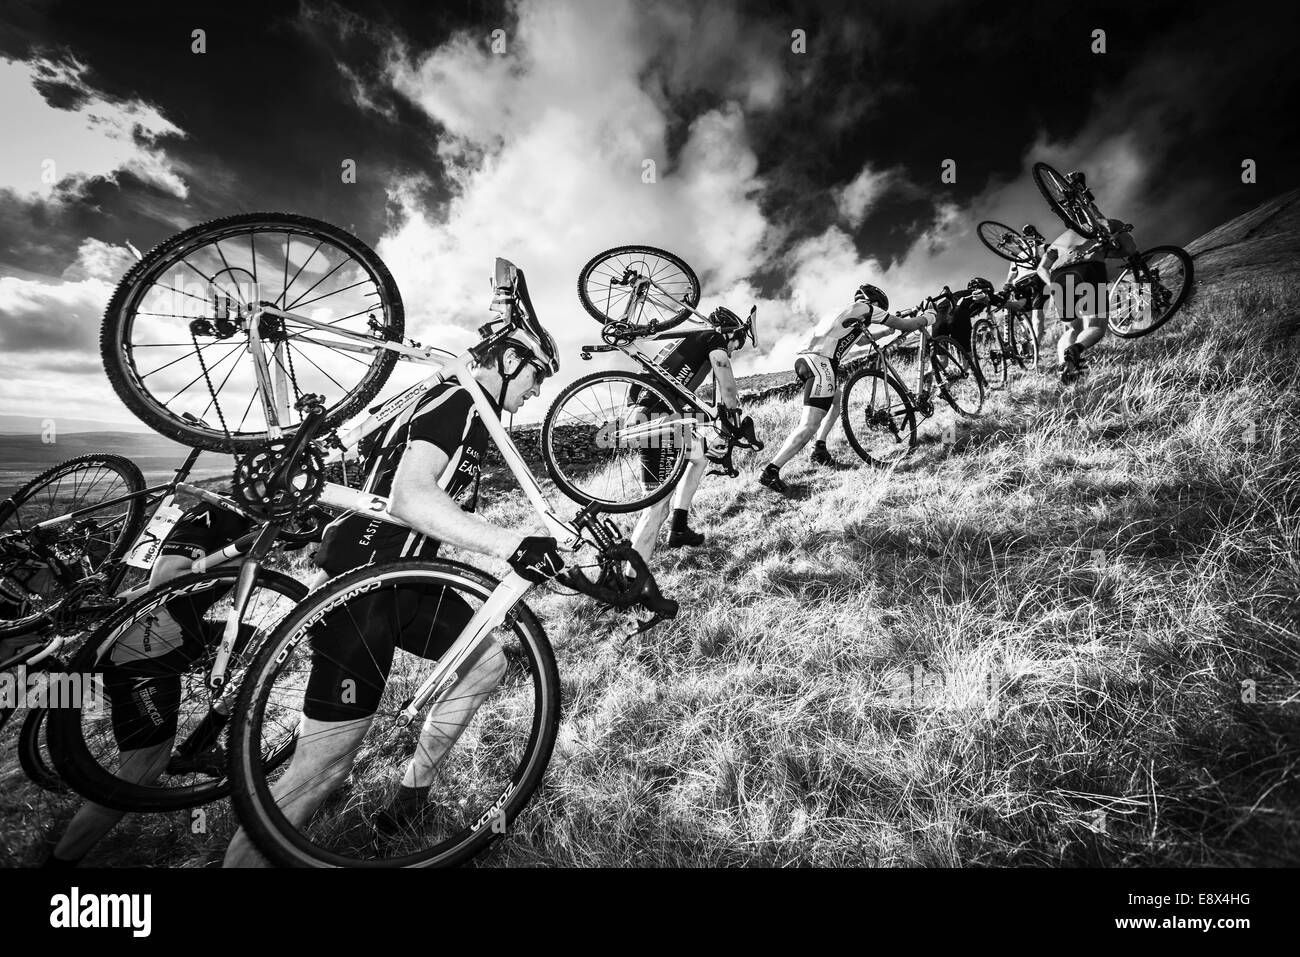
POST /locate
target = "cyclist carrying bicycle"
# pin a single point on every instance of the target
(428, 465)
(1025, 291)
(955, 312)
(1075, 267)
(689, 361)
(143, 683)
(817, 367)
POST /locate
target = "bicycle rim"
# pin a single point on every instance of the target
(877, 417)
(482, 755)
(618, 440)
(177, 337)
(1142, 300)
(37, 571)
(1005, 242)
(956, 378)
(1060, 197)
(159, 649)
(612, 288)
(990, 353)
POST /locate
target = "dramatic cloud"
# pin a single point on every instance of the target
(69, 130)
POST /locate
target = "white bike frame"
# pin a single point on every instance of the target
(512, 588)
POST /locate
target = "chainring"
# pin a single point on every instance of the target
(251, 485)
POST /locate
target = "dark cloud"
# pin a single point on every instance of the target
(287, 91)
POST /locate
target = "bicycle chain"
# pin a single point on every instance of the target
(207, 378)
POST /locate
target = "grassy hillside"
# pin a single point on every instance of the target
(1070, 637)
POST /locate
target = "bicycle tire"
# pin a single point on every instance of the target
(72, 756)
(31, 753)
(1050, 184)
(991, 234)
(551, 444)
(689, 295)
(135, 285)
(945, 351)
(1185, 260)
(130, 526)
(255, 805)
(885, 385)
(989, 352)
(1026, 346)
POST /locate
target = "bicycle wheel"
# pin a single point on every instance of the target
(956, 376)
(1006, 242)
(989, 352)
(641, 286)
(620, 440)
(33, 754)
(1149, 291)
(483, 751)
(176, 334)
(1061, 196)
(38, 568)
(878, 417)
(1024, 354)
(150, 736)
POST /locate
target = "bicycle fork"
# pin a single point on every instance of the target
(448, 671)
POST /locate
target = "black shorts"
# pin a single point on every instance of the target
(1083, 290)
(658, 458)
(144, 691)
(353, 647)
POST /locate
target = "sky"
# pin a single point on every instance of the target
(797, 148)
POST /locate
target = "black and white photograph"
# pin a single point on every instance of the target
(660, 435)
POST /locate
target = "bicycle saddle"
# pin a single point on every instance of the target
(510, 279)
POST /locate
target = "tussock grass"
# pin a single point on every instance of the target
(1068, 638)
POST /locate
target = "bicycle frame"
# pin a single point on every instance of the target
(493, 612)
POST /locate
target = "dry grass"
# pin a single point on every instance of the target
(1025, 648)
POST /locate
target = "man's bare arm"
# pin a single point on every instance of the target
(418, 501)
(724, 379)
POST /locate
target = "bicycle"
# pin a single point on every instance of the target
(1154, 283)
(66, 560)
(879, 412)
(498, 761)
(595, 434)
(63, 573)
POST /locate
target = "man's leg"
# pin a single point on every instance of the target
(321, 761)
(1073, 329)
(448, 719)
(92, 821)
(809, 425)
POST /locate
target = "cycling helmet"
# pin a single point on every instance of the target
(725, 321)
(1029, 230)
(980, 284)
(872, 294)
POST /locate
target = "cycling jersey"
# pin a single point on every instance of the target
(835, 335)
(353, 647)
(445, 416)
(689, 362)
(142, 678)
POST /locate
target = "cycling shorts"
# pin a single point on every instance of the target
(1083, 290)
(353, 647)
(817, 373)
(142, 681)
